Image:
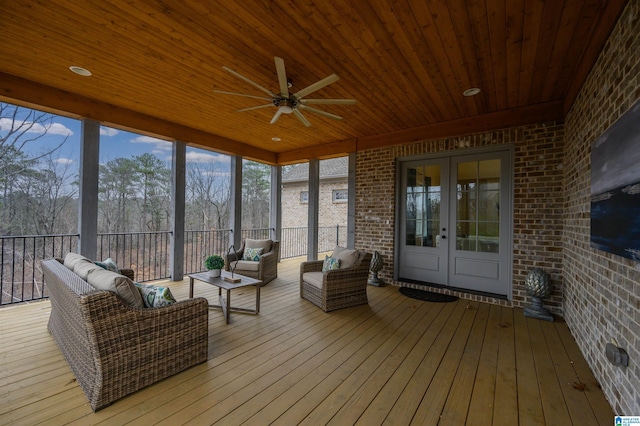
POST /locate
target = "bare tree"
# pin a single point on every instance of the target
(51, 190)
(21, 129)
(207, 196)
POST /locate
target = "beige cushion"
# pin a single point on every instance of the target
(101, 279)
(246, 265)
(265, 245)
(313, 278)
(347, 257)
(71, 259)
(83, 267)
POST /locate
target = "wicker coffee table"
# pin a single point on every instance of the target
(225, 302)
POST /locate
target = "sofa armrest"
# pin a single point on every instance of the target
(347, 274)
(311, 266)
(128, 273)
(155, 342)
(269, 258)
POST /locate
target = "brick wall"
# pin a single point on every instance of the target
(537, 203)
(295, 213)
(602, 291)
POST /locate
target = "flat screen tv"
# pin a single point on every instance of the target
(615, 187)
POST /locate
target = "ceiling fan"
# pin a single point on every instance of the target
(288, 103)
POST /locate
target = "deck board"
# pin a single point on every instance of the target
(505, 399)
(481, 404)
(394, 361)
(553, 403)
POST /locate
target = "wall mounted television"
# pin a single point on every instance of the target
(615, 187)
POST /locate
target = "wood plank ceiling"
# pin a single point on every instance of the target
(156, 65)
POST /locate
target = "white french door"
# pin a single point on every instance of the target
(455, 222)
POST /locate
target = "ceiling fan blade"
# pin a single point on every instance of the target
(327, 101)
(255, 107)
(316, 86)
(282, 77)
(320, 112)
(253, 83)
(276, 116)
(242, 94)
(300, 117)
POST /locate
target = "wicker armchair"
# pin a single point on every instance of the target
(265, 270)
(336, 289)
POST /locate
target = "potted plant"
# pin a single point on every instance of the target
(214, 265)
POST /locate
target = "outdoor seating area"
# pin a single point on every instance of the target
(393, 360)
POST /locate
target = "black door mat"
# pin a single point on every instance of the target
(427, 296)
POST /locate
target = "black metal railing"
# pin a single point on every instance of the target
(21, 277)
(256, 233)
(200, 244)
(147, 253)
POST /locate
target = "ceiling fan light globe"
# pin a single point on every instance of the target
(285, 109)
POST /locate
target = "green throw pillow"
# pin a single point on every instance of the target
(252, 254)
(154, 296)
(110, 265)
(330, 263)
(101, 264)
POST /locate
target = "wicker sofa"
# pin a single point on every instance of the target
(339, 288)
(114, 349)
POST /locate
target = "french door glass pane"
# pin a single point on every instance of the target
(423, 206)
(478, 206)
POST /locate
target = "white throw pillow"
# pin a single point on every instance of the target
(101, 279)
(265, 245)
(71, 259)
(347, 257)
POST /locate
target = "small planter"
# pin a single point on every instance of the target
(214, 265)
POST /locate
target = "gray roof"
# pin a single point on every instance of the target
(331, 168)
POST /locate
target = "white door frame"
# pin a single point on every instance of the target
(400, 161)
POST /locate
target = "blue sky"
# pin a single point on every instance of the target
(113, 143)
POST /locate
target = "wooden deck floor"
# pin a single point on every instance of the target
(396, 361)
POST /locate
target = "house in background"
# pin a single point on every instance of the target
(333, 194)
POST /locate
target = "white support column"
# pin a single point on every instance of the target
(314, 201)
(235, 200)
(178, 179)
(275, 204)
(88, 196)
(351, 206)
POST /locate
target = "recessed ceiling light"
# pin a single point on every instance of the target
(276, 139)
(80, 71)
(471, 92)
